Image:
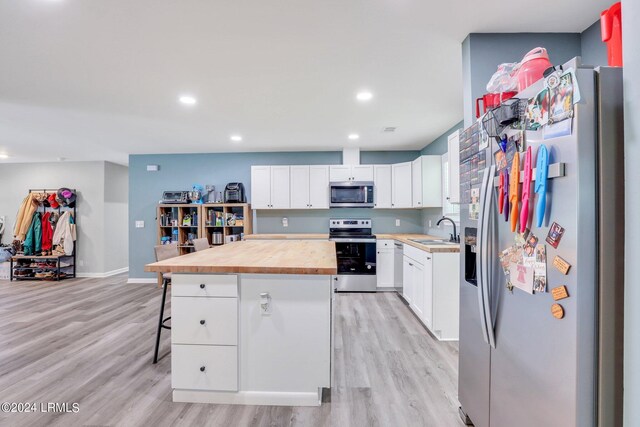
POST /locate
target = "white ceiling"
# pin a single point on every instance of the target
(99, 79)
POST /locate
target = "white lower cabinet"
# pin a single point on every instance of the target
(407, 279)
(204, 321)
(430, 286)
(204, 332)
(418, 300)
(385, 268)
(204, 367)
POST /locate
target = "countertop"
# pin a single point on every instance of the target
(403, 238)
(261, 257)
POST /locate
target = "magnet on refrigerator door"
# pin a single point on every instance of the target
(514, 193)
(561, 265)
(542, 173)
(555, 234)
(557, 311)
(559, 292)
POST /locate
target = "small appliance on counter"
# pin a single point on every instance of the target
(196, 194)
(234, 193)
(176, 197)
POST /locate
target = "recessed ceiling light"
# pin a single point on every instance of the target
(4, 156)
(236, 138)
(187, 100)
(364, 96)
(354, 136)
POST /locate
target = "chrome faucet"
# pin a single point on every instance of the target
(454, 237)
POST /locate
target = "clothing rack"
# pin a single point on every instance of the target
(57, 259)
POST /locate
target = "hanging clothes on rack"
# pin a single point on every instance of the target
(25, 216)
(64, 235)
(47, 233)
(33, 240)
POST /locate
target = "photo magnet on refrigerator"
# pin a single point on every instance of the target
(555, 234)
(562, 265)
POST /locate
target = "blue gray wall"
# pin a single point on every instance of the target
(594, 51)
(181, 171)
(486, 51)
(631, 61)
(440, 144)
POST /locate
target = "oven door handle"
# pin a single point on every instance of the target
(347, 240)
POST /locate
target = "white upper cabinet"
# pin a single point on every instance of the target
(427, 182)
(280, 187)
(362, 172)
(270, 187)
(318, 187)
(416, 183)
(448, 208)
(382, 186)
(401, 185)
(453, 155)
(300, 187)
(340, 173)
(261, 187)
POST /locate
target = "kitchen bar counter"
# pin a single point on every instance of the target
(402, 238)
(288, 236)
(275, 256)
(251, 322)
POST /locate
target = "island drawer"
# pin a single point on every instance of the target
(204, 367)
(204, 285)
(197, 320)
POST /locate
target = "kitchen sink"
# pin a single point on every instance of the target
(434, 242)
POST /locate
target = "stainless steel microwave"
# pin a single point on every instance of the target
(351, 194)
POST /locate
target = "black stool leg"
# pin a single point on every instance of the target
(164, 297)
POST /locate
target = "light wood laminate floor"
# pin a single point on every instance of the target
(90, 341)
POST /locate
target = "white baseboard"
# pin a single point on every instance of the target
(105, 274)
(145, 280)
(249, 397)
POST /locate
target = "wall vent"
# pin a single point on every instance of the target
(389, 129)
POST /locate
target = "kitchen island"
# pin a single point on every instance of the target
(251, 322)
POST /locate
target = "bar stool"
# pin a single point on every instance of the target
(163, 252)
(201, 244)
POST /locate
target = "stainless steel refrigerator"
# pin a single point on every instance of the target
(519, 365)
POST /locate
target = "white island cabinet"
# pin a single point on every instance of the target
(252, 323)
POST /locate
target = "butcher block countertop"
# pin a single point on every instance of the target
(259, 257)
(290, 236)
(431, 247)
(403, 238)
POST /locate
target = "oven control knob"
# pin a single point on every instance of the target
(368, 267)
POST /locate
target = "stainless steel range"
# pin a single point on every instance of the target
(356, 252)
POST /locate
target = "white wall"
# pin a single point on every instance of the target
(98, 204)
(116, 217)
(631, 60)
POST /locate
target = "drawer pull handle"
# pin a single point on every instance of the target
(202, 322)
(202, 286)
(202, 368)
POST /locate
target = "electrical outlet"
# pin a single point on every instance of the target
(429, 223)
(139, 224)
(285, 222)
(397, 223)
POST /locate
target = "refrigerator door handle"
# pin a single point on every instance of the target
(480, 258)
(486, 197)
